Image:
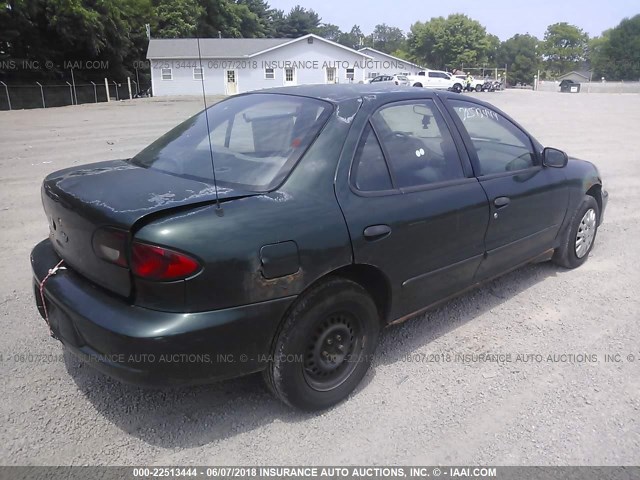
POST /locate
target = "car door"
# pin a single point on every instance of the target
(412, 206)
(434, 80)
(528, 201)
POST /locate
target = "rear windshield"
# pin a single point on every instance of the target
(256, 140)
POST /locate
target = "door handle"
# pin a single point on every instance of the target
(375, 232)
(502, 202)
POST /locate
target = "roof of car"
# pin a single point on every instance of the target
(341, 92)
(338, 93)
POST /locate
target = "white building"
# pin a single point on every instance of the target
(234, 65)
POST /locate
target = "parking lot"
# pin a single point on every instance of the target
(565, 388)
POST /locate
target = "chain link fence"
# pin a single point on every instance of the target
(592, 87)
(36, 95)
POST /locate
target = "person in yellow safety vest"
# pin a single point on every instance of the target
(468, 81)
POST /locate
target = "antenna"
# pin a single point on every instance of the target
(206, 117)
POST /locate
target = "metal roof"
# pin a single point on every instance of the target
(373, 50)
(586, 74)
(178, 48)
(210, 47)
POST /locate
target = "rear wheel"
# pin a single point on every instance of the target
(581, 235)
(324, 346)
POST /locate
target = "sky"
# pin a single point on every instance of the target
(503, 18)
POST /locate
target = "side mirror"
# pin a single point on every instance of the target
(552, 157)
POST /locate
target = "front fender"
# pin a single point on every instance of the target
(583, 178)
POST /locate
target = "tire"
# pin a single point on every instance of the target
(573, 252)
(324, 346)
(457, 88)
(478, 88)
(417, 84)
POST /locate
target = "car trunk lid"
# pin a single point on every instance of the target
(117, 194)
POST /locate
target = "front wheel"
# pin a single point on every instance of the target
(478, 88)
(457, 88)
(324, 346)
(581, 235)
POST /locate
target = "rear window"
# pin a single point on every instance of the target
(256, 140)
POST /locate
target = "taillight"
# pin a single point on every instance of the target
(161, 264)
(110, 244)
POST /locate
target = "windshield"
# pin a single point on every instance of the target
(256, 140)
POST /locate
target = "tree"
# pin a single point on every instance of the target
(597, 56)
(176, 18)
(262, 13)
(229, 19)
(59, 31)
(492, 51)
(564, 47)
(277, 21)
(298, 22)
(388, 39)
(352, 39)
(329, 31)
(403, 54)
(616, 54)
(450, 42)
(520, 54)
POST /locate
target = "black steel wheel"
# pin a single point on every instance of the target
(324, 346)
(337, 341)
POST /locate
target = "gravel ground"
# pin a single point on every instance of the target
(538, 410)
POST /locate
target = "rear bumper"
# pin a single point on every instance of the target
(147, 347)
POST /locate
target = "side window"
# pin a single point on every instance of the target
(499, 144)
(418, 143)
(370, 168)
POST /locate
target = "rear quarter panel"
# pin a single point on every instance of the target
(303, 210)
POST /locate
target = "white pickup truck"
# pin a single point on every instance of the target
(476, 83)
(432, 79)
